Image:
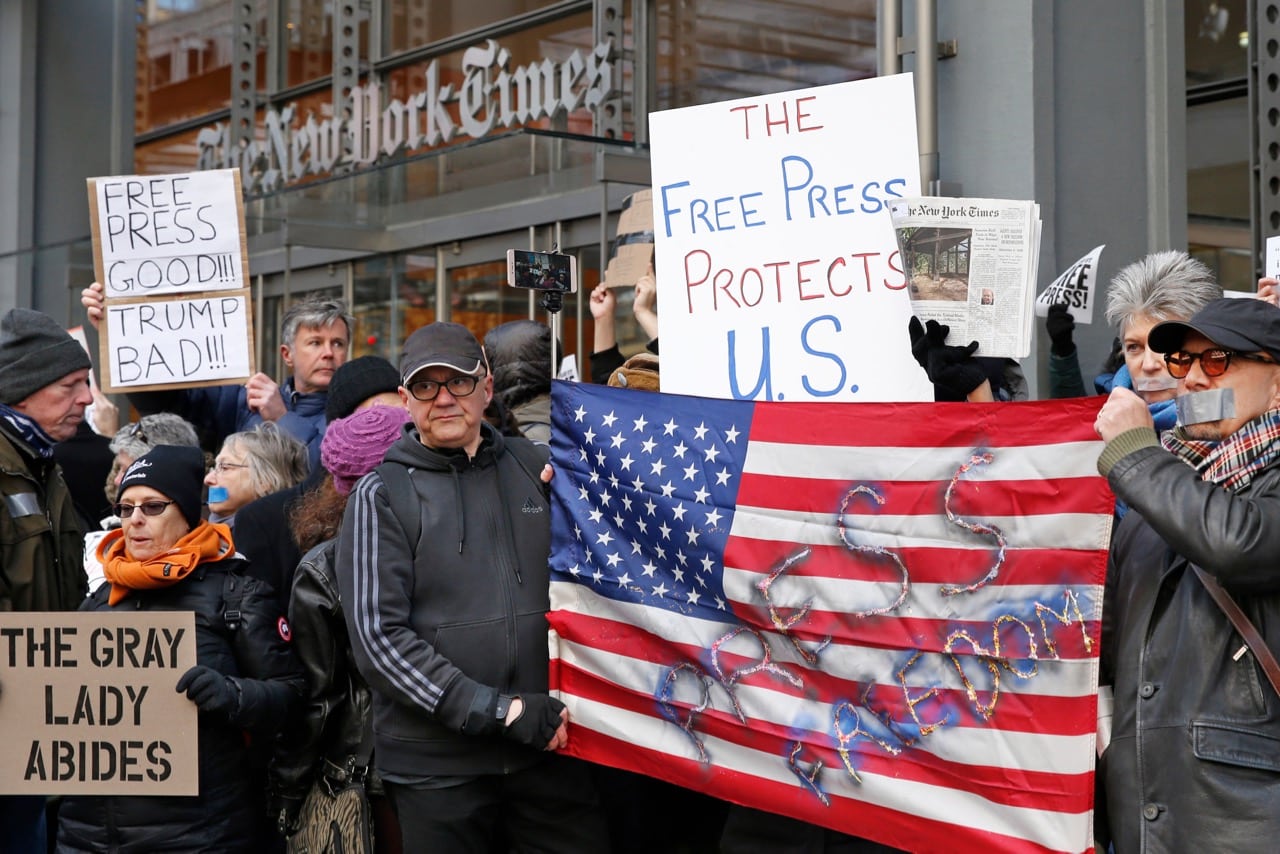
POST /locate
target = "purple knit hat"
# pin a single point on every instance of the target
(354, 446)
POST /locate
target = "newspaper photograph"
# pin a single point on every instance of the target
(972, 264)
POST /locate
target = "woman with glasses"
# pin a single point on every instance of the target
(1161, 286)
(250, 465)
(129, 443)
(165, 557)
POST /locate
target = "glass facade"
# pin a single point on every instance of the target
(1218, 129)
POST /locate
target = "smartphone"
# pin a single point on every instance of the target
(542, 271)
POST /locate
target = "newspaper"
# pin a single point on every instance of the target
(972, 264)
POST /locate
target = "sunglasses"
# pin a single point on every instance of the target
(148, 508)
(1213, 362)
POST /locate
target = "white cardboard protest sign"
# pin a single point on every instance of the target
(1272, 267)
(1075, 287)
(778, 272)
(170, 253)
(89, 707)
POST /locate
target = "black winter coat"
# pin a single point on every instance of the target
(1194, 760)
(227, 815)
(336, 716)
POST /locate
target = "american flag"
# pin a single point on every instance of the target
(879, 618)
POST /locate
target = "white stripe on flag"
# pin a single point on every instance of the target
(1048, 531)
(869, 463)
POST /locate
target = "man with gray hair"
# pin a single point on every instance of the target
(1161, 286)
(315, 336)
(44, 389)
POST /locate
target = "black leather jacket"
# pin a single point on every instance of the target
(1194, 760)
(336, 714)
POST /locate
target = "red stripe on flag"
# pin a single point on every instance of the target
(927, 425)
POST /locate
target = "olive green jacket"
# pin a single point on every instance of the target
(41, 544)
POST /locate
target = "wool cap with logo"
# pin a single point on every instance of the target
(450, 345)
(174, 471)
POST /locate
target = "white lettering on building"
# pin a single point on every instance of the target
(491, 96)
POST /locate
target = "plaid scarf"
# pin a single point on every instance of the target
(1234, 461)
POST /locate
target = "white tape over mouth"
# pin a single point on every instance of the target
(1160, 382)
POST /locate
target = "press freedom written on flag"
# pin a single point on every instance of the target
(879, 618)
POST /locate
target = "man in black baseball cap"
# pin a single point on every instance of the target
(442, 567)
(1192, 703)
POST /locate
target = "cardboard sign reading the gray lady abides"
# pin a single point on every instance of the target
(88, 706)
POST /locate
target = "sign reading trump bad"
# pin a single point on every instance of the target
(778, 274)
(170, 253)
(88, 704)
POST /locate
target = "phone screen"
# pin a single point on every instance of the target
(543, 271)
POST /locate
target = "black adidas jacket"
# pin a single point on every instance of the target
(440, 624)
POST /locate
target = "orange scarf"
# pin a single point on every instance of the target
(206, 542)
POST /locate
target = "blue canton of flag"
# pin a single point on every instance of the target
(643, 500)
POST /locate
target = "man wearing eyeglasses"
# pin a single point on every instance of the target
(1194, 758)
(442, 567)
(44, 389)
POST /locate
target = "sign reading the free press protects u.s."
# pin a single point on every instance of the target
(778, 273)
(88, 704)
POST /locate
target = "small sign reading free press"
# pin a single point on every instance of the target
(88, 704)
(170, 253)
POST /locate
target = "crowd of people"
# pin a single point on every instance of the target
(397, 633)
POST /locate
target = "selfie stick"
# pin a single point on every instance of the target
(552, 302)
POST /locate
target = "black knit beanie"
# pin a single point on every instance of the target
(175, 471)
(34, 352)
(356, 381)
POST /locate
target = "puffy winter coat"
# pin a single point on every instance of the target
(229, 814)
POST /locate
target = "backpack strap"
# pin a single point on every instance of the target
(404, 499)
(233, 587)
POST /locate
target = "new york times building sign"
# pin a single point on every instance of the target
(491, 96)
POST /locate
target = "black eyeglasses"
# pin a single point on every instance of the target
(1213, 362)
(148, 508)
(459, 386)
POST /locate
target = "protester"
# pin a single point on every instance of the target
(443, 573)
(333, 739)
(605, 355)
(519, 354)
(1191, 764)
(1160, 286)
(315, 335)
(260, 524)
(129, 443)
(250, 465)
(44, 389)
(166, 558)
(86, 461)
(957, 373)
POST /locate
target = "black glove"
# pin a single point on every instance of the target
(538, 721)
(952, 369)
(1060, 324)
(210, 690)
